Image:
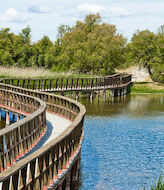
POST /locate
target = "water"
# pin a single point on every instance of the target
(2, 124)
(13, 118)
(123, 147)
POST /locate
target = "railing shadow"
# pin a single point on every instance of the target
(42, 141)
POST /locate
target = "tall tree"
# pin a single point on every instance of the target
(90, 46)
(147, 49)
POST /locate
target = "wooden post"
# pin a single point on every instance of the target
(104, 94)
(77, 95)
(60, 187)
(118, 93)
(121, 92)
(39, 85)
(112, 92)
(82, 83)
(91, 95)
(125, 91)
(7, 119)
(67, 85)
(17, 117)
(68, 181)
(98, 94)
(108, 93)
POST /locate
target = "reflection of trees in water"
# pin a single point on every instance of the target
(2, 124)
(144, 105)
(107, 107)
(131, 105)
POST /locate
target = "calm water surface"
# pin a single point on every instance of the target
(123, 147)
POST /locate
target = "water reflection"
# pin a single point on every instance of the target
(133, 105)
(2, 124)
(123, 145)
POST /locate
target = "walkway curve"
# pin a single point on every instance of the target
(55, 163)
(57, 155)
(56, 125)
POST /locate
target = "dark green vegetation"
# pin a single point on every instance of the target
(147, 49)
(91, 47)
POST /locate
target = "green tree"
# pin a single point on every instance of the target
(24, 50)
(147, 49)
(89, 46)
(44, 48)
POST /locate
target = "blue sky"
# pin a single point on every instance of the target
(44, 16)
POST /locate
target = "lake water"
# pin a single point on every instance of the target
(123, 147)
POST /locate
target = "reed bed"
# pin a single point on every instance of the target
(17, 72)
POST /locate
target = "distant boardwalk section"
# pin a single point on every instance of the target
(118, 84)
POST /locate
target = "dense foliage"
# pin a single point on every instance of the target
(147, 49)
(90, 46)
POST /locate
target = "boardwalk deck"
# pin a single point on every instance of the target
(87, 88)
(52, 152)
(55, 126)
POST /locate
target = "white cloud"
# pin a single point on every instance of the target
(108, 11)
(38, 9)
(119, 12)
(11, 15)
(93, 8)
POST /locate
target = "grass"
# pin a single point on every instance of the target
(147, 87)
(159, 185)
(39, 73)
(16, 72)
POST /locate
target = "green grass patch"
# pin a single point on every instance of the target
(143, 88)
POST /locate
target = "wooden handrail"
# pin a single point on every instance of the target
(50, 161)
(60, 149)
(21, 136)
(70, 84)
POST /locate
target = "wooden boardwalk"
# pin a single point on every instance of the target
(118, 84)
(42, 150)
(56, 125)
(27, 160)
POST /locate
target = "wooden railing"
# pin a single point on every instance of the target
(46, 166)
(70, 84)
(49, 162)
(20, 137)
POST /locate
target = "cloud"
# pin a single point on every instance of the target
(119, 12)
(11, 15)
(93, 8)
(104, 10)
(37, 9)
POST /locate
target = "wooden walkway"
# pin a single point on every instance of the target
(56, 125)
(89, 88)
(48, 138)
(43, 150)
(72, 84)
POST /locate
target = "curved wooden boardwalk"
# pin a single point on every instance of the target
(42, 150)
(62, 85)
(56, 125)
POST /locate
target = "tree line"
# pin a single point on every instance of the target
(91, 46)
